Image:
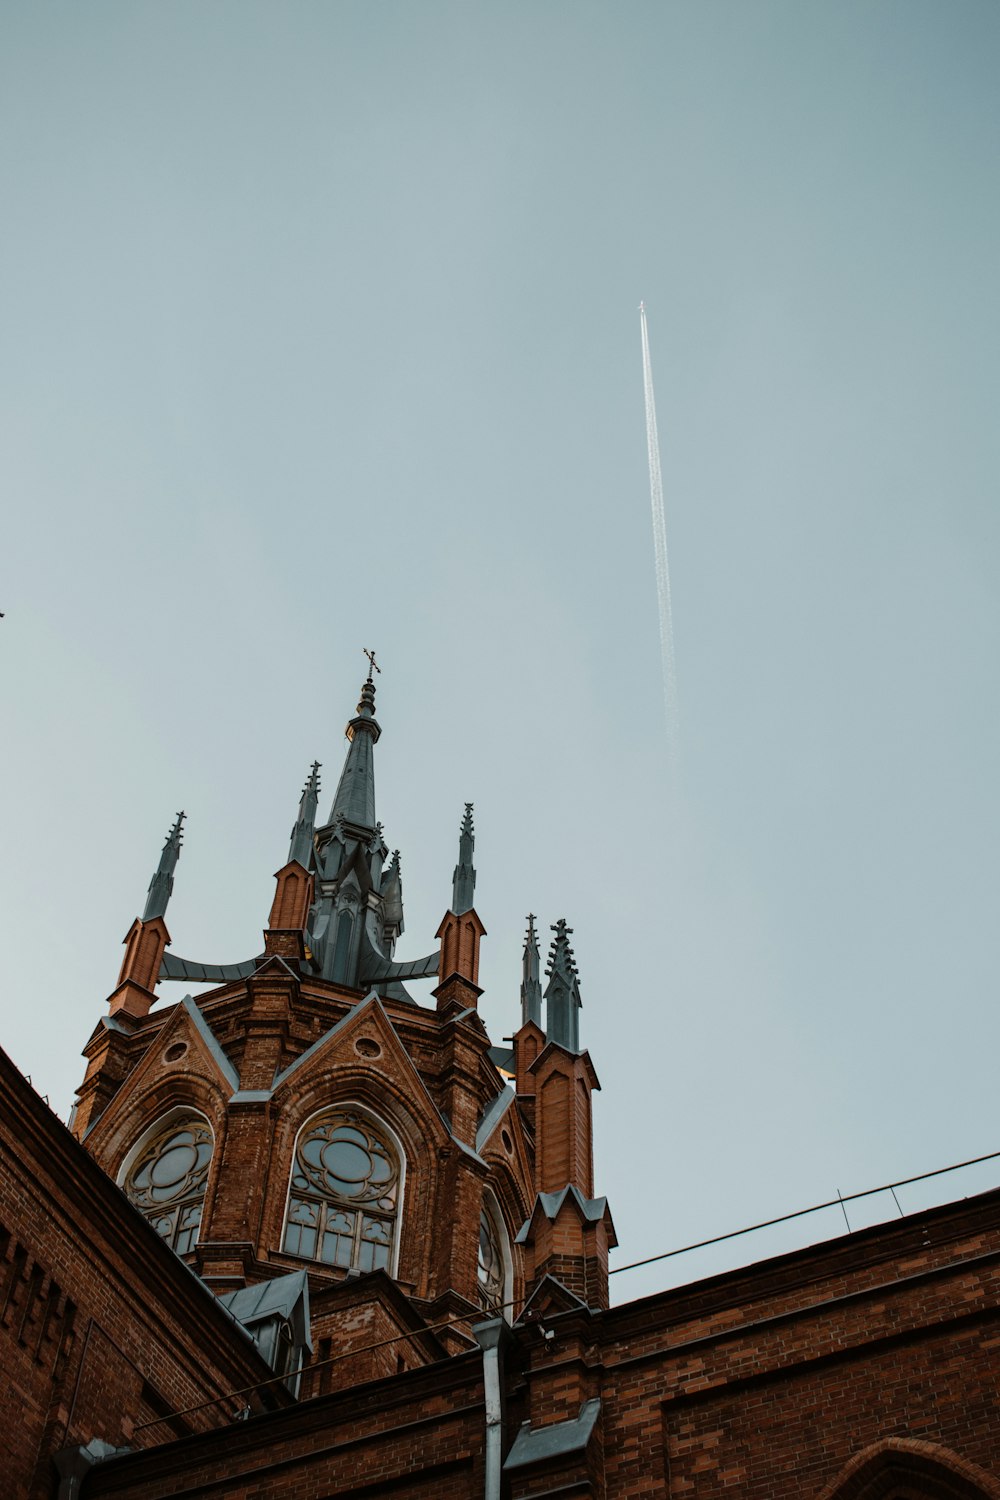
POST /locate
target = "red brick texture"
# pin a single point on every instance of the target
(99, 1333)
(865, 1368)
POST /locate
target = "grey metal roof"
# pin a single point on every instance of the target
(162, 882)
(562, 993)
(301, 845)
(464, 879)
(592, 1209)
(276, 1298)
(186, 969)
(557, 1440)
(374, 968)
(492, 1116)
(208, 1036)
(531, 986)
(355, 796)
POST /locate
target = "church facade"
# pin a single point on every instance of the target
(308, 1237)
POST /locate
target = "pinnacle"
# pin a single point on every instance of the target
(561, 954)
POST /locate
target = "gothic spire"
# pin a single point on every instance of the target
(302, 832)
(162, 882)
(531, 988)
(355, 798)
(464, 878)
(562, 993)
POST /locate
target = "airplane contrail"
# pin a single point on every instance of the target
(660, 550)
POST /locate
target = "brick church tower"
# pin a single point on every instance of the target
(361, 1179)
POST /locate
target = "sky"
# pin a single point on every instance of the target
(319, 331)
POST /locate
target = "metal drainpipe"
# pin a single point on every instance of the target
(492, 1338)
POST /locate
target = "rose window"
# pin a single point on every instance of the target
(343, 1198)
(167, 1181)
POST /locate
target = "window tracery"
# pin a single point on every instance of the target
(343, 1199)
(168, 1178)
(492, 1268)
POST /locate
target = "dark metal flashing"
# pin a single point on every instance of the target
(592, 1210)
(376, 969)
(464, 879)
(562, 993)
(557, 1440)
(280, 1297)
(212, 1043)
(190, 972)
(370, 999)
(551, 1290)
(162, 883)
(492, 1116)
(531, 985)
(301, 845)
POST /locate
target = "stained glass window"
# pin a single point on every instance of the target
(491, 1265)
(343, 1198)
(167, 1180)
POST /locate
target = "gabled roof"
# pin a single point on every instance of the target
(276, 1298)
(550, 1296)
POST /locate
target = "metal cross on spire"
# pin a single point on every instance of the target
(373, 665)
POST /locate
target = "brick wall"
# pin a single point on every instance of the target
(101, 1328)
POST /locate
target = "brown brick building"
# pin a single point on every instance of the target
(310, 1238)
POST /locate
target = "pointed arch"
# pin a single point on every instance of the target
(495, 1270)
(345, 1191)
(165, 1175)
(910, 1469)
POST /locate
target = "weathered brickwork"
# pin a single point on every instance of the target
(99, 1333)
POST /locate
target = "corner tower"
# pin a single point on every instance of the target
(305, 1117)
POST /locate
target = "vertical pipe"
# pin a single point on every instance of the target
(491, 1338)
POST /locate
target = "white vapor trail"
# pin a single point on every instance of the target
(660, 549)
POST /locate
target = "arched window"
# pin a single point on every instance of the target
(344, 1194)
(167, 1178)
(494, 1262)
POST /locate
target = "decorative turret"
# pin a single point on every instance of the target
(293, 896)
(464, 878)
(461, 930)
(301, 846)
(569, 1232)
(162, 883)
(147, 938)
(562, 993)
(531, 987)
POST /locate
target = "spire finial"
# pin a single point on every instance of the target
(464, 878)
(301, 844)
(162, 882)
(531, 988)
(373, 665)
(562, 993)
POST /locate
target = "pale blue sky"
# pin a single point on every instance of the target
(318, 329)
